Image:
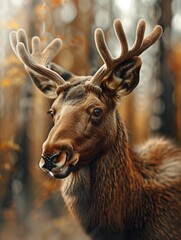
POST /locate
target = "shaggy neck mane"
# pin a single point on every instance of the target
(105, 186)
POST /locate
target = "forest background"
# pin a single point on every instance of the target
(31, 206)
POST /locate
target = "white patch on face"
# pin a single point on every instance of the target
(51, 174)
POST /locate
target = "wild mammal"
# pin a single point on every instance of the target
(115, 190)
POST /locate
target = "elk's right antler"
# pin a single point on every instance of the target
(36, 62)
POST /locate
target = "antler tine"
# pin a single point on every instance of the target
(22, 37)
(36, 44)
(151, 39)
(102, 47)
(19, 36)
(120, 34)
(140, 31)
(28, 61)
(105, 54)
(51, 50)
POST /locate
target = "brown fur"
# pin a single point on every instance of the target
(117, 191)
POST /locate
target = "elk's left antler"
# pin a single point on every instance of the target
(139, 46)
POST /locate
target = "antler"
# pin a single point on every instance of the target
(139, 46)
(36, 62)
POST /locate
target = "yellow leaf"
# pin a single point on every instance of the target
(12, 59)
(41, 9)
(56, 3)
(10, 24)
(5, 82)
(13, 24)
(9, 145)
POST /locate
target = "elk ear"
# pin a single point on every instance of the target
(125, 77)
(47, 86)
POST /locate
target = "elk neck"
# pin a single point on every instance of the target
(104, 190)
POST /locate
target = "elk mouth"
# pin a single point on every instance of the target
(63, 172)
(59, 165)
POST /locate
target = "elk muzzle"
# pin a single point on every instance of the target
(58, 161)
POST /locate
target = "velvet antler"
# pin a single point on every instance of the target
(36, 62)
(48, 76)
(139, 46)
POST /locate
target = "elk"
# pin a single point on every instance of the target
(114, 189)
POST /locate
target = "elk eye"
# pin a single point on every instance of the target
(97, 112)
(51, 113)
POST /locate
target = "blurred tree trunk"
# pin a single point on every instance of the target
(176, 66)
(168, 124)
(12, 118)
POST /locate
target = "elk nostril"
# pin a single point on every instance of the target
(49, 165)
(49, 161)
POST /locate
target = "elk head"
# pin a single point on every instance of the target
(84, 110)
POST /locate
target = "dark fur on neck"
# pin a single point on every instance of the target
(112, 199)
